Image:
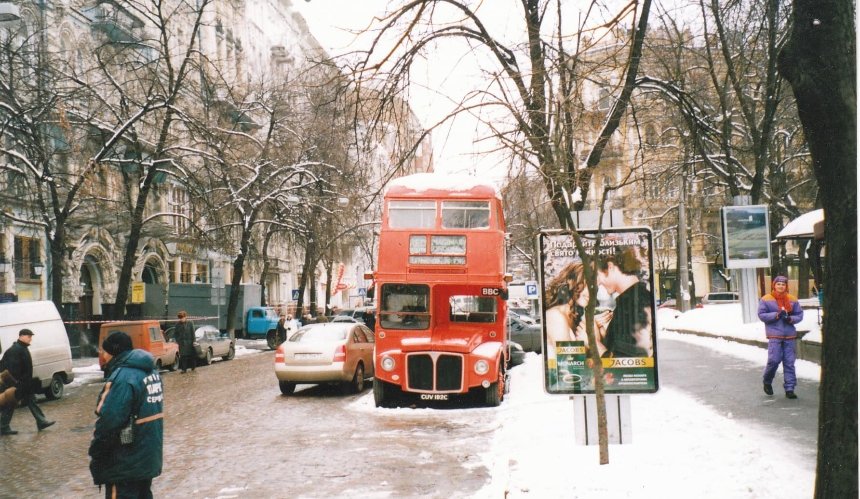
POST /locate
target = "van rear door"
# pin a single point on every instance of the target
(156, 343)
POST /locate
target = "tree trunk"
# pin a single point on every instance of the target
(819, 62)
(236, 282)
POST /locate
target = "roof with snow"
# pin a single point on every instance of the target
(433, 184)
(802, 227)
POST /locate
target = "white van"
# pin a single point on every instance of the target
(52, 356)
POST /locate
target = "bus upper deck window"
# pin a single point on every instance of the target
(466, 214)
(411, 214)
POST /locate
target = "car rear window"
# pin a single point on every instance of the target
(318, 335)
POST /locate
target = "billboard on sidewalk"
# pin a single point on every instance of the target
(746, 236)
(624, 326)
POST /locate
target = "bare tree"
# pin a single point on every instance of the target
(819, 60)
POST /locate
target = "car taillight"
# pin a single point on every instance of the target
(279, 354)
(340, 354)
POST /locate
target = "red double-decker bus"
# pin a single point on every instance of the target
(440, 288)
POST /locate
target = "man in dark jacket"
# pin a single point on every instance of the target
(20, 365)
(184, 334)
(132, 393)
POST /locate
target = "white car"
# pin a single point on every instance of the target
(329, 352)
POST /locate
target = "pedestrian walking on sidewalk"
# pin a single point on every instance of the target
(184, 334)
(127, 447)
(780, 311)
(19, 363)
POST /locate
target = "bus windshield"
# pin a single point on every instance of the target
(405, 306)
(411, 214)
(472, 309)
(465, 214)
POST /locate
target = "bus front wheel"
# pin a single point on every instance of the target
(495, 393)
(384, 394)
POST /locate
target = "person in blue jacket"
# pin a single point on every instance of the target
(780, 311)
(132, 393)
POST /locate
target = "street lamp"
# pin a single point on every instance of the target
(4, 265)
(38, 268)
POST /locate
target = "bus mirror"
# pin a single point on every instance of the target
(370, 293)
(368, 276)
(504, 294)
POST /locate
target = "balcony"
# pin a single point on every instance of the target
(280, 55)
(118, 24)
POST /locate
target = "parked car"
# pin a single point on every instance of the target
(520, 311)
(331, 352)
(145, 335)
(523, 317)
(50, 350)
(209, 343)
(670, 303)
(720, 297)
(517, 354)
(363, 315)
(527, 335)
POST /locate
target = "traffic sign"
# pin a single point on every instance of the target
(218, 278)
(295, 294)
(362, 291)
(531, 289)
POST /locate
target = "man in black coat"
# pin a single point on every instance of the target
(184, 334)
(18, 361)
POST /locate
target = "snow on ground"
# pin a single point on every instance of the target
(726, 320)
(680, 449)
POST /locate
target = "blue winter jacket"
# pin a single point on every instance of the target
(774, 326)
(133, 387)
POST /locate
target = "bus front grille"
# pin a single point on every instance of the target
(434, 373)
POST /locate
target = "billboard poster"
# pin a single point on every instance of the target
(624, 324)
(746, 237)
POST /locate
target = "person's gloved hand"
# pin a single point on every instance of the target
(783, 315)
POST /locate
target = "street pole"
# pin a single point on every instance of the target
(746, 279)
(683, 268)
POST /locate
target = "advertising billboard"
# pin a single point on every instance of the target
(746, 236)
(625, 329)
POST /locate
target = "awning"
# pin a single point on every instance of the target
(807, 226)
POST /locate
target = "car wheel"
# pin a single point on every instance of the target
(172, 366)
(208, 358)
(230, 353)
(56, 388)
(158, 365)
(272, 340)
(357, 383)
(287, 388)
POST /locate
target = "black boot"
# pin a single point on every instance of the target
(790, 395)
(44, 425)
(768, 389)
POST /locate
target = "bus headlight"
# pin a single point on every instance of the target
(387, 363)
(482, 367)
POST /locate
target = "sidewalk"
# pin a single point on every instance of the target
(725, 321)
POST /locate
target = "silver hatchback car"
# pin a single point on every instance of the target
(330, 352)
